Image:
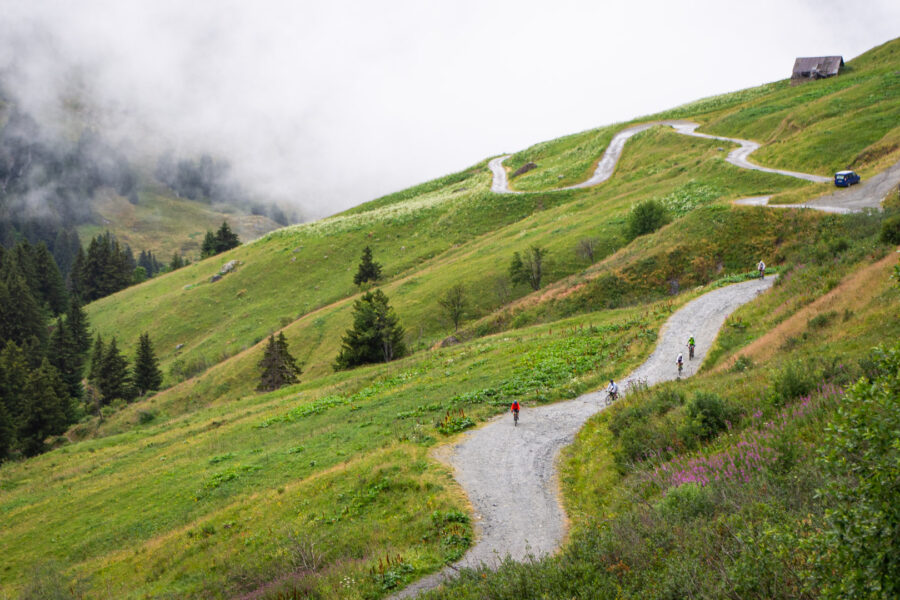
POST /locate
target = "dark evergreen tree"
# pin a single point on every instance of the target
(20, 316)
(147, 376)
(45, 410)
(75, 279)
(96, 361)
(279, 368)
(226, 239)
(376, 336)
(65, 356)
(209, 245)
(50, 287)
(177, 262)
(113, 379)
(77, 324)
(13, 376)
(107, 268)
(7, 433)
(369, 270)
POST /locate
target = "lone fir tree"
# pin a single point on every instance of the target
(279, 368)
(147, 376)
(369, 270)
(376, 336)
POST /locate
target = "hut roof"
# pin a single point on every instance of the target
(817, 66)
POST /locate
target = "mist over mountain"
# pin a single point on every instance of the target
(321, 106)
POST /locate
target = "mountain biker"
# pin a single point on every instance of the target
(762, 269)
(691, 347)
(514, 408)
(680, 362)
(613, 390)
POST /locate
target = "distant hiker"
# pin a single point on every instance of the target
(762, 269)
(612, 392)
(691, 348)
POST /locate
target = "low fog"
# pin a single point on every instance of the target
(328, 104)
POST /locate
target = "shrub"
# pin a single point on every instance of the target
(646, 217)
(794, 380)
(890, 230)
(707, 416)
(743, 363)
(685, 502)
(859, 550)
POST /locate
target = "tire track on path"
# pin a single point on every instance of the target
(509, 473)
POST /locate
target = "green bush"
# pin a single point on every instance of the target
(646, 217)
(890, 230)
(707, 415)
(685, 502)
(858, 552)
(793, 381)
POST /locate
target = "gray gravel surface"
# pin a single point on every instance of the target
(509, 473)
(613, 152)
(869, 194)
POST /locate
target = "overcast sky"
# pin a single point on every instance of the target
(332, 103)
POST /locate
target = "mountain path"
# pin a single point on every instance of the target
(509, 473)
(844, 200)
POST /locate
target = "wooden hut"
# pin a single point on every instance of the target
(808, 68)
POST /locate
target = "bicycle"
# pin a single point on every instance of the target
(610, 398)
(690, 352)
(515, 418)
(680, 368)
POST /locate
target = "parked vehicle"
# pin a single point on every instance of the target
(845, 178)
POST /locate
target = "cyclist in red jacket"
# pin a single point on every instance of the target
(515, 411)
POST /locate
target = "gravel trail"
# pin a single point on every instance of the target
(867, 195)
(607, 164)
(509, 473)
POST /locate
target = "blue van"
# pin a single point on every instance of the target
(845, 178)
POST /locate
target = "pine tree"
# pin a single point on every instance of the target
(226, 239)
(279, 368)
(7, 433)
(65, 356)
(114, 380)
(96, 361)
(77, 324)
(376, 336)
(369, 270)
(209, 245)
(20, 316)
(147, 376)
(45, 410)
(176, 263)
(50, 287)
(75, 279)
(13, 376)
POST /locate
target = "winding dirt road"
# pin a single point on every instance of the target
(509, 472)
(607, 164)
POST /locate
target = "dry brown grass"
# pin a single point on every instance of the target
(852, 294)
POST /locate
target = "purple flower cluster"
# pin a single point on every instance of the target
(736, 463)
(752, 452)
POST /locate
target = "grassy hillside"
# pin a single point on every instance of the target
(164, 224)
(330, 488)
(668, 501)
